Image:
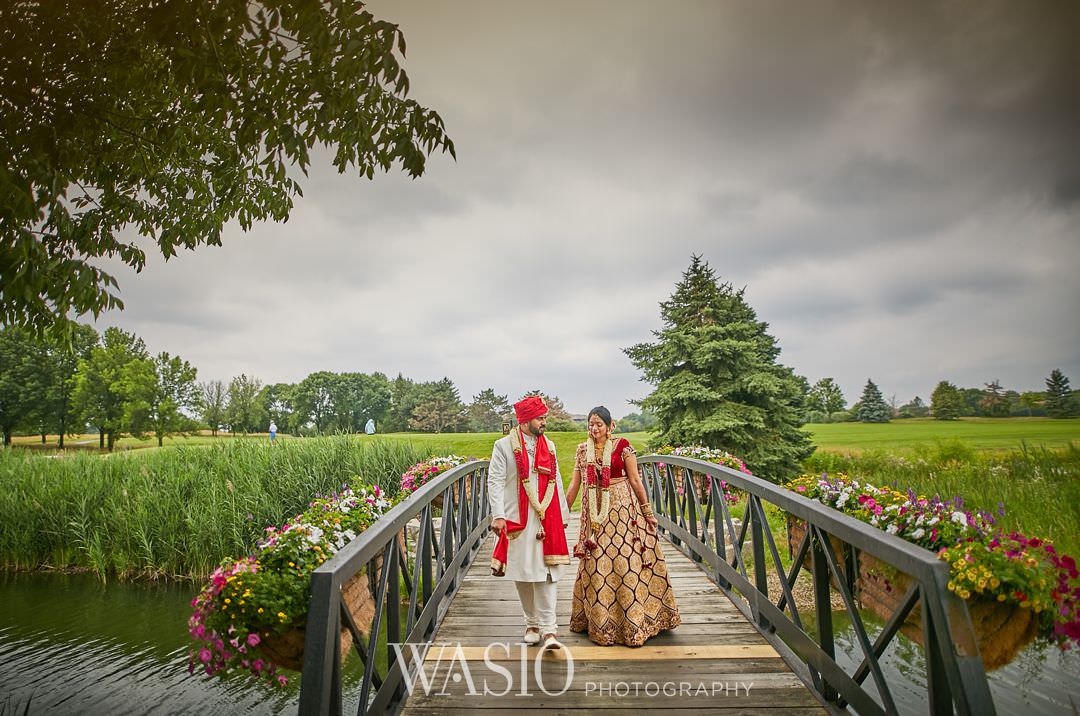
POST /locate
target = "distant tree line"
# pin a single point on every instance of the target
(112, 385)
(826, 404)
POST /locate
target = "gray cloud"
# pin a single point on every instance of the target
(894, 184)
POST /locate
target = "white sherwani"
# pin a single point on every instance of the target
(524, 554)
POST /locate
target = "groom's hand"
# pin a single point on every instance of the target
(498, 525)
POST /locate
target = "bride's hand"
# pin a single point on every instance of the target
(651, 522)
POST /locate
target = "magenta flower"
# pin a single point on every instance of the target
(253, 639)
(204, 655)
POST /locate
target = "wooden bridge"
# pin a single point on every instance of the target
(446, 636)
(715, 661)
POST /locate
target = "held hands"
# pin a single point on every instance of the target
(498, 525)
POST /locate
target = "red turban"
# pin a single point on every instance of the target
(528, 408)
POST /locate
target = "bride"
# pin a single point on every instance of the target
(622, 594)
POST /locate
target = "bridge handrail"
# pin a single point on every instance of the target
(956, 680)
(438, 564)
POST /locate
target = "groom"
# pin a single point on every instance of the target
(529, 514)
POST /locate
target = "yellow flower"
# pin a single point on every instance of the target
(227, 601)
(291, 564)
(1001, 597)
(995, 582)
(281, 615)
(260, 610)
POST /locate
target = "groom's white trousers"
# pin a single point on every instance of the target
(538, 604)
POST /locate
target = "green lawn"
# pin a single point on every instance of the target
(976, 433)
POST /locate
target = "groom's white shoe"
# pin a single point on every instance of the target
(532, 636)
(551, 641)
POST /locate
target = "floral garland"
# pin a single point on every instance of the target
(601, 504)
(248, 599)
(539, 506)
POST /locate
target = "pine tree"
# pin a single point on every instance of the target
(872, 406)
(1059, 403)
(946, 402)
(718, 382)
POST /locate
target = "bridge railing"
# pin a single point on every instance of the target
(690, 507)
(429, 567)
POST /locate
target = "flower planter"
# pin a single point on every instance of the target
(438, 500)
(796, 530)
(1001, 629)
(287, 649)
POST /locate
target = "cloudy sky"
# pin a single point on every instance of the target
(897, 185)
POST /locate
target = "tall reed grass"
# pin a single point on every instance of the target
(1039, 488)
(174, 512)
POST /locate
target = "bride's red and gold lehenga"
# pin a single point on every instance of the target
(622, 594)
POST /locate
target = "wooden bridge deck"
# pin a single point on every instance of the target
(714, 662)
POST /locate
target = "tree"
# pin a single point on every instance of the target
(486, 412)
(101, 393)
(403, 397)
(172, 119)
(243, 412)
(159, 390)
(872, 406)
(718, 382)
(993, 401)
(558, 420)
(313, 400)
(915, 409)
(826, 397)
(359, 396)
(214, 401)
(636, 422)
(1032, 399)
(20, 379)
(439, 407)
(64, 354)
(1059, 400)
(276, 400)
(946, 403)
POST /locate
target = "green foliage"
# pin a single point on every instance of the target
(994, 402)
(172, 119)
(1026, 480)
(915, 409)
(102, 389)
(1059, 399)
(276, 400)
(825, 397)
(21, 380)
(243, 413)
(637, 422)
(213, 400)
(438, 407)
(158, 390)
(946, 402)
(872, 406)
(487, 411)
(179, 510)
(718, 382)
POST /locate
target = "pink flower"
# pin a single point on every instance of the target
(283, 680)
(204, 655)
(258, 665)
(253, 639)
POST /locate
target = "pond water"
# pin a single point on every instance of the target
(70, 644)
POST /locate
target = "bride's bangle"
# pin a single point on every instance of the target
(646, 510)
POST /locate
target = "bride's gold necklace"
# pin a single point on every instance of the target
(601, 494)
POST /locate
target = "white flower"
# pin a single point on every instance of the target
(315, 534)
(891, 529)
(959, 518)
(918, 534)
(934, 520)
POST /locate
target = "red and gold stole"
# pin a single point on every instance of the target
(546, 505)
